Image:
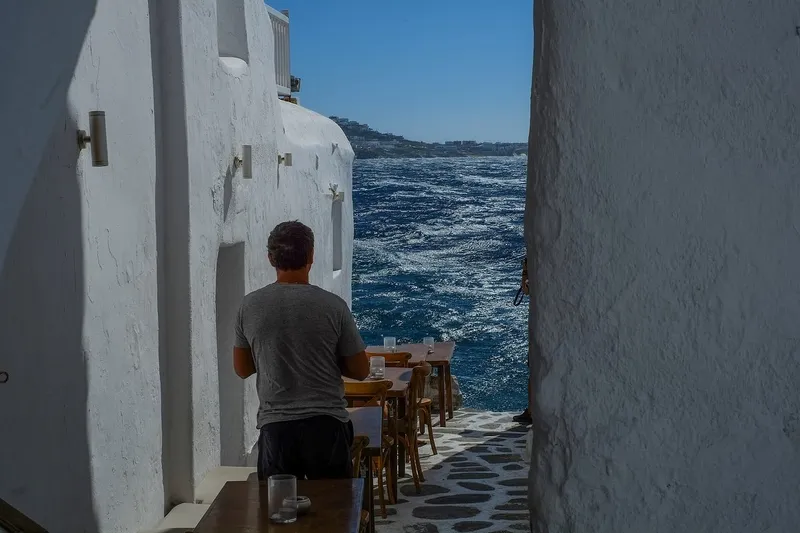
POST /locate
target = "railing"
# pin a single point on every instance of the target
(13, 521)
(280, 32)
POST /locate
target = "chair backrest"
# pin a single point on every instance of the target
(419, 374)
(395, 359)
(367, 393)
(357, 451)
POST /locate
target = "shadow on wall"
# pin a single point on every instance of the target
(44, 454)
(230, 292)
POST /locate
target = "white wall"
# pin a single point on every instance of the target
(218, 105)
(41, 42)
(664, 233)
(78, 315)
(108, 306)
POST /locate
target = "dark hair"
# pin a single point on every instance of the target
(290, 245)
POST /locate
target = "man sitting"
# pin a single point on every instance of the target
(299, 340)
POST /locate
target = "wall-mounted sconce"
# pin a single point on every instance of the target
(285, 159)
(246, 162)
(96, 137)
(336, 194)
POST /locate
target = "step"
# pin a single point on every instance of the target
(212, 484)
(181, 518)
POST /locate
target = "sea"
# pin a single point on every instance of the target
(438, 252)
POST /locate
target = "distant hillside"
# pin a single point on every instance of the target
(370, 144)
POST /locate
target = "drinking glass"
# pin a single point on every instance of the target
(377, 367)
(282, 493)
(390, 344)
(429, 342)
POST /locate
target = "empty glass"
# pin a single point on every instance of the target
(429, 342)
(390, 344)
(282, 493)
(377, 367)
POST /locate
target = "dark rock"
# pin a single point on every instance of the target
(518, 492)
(520, 527)
(420, 528)
(436, 467)
(513, 467)
(469, 485)
(464, 527)
(444, 512)
(456, 499)
(511, 516)
(517, 482)
(502, 449)
(513, 507)
(455, 459)
(499, 459)
(465, 464)
(427, 490)
(473, 475)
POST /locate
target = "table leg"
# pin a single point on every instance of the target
(401, 448)
(442, 396)
(449, 382)
(369, 492)
(394, 451)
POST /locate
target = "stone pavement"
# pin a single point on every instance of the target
(477, 482)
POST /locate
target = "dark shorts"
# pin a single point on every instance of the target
(312, 448)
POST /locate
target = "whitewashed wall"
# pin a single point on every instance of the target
(78, 302)
(120, 365)
(664, 233)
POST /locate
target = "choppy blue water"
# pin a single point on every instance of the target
(438, 250)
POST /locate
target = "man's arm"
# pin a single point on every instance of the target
(243, 362)
(350, 350)
(356, 366)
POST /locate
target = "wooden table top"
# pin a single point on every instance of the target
(400, 378)
(442, 352)
(242, 506)
(368, 421)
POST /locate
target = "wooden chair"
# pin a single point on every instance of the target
(357, 453)
(408, 430)
(395, 359)
(373, 393)
(426, 417)
(363, 526)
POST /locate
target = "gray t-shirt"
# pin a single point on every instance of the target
(297, 334)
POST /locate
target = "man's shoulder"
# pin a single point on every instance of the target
(298, 293)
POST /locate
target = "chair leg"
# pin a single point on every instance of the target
(429, 420)
(380, 490)
(415, 472)
(421, 424)
(419, 465)
(390, 483)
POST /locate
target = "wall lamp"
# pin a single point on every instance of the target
(338, 196)
(285, 159)
(96, 138)
(245, 162)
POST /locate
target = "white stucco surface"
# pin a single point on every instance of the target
(78, 301)
(663, 227)
(108, 294)
(40, 45)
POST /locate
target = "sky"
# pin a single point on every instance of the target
(430, 70)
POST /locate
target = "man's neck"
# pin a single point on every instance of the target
(298, 277)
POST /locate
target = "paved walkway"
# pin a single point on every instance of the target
(477, 482)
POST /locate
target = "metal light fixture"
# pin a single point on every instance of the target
(285, 159)
(96, 137)
(247, 163)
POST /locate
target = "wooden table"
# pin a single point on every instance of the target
(440, 360)
(368, 421)
(242, 506)
(397, 398)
